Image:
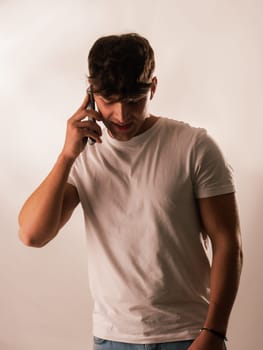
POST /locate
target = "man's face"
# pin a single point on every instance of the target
(126, 118)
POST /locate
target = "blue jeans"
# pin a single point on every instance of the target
(102, 344)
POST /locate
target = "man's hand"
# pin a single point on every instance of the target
(207, 341)
(78, 129)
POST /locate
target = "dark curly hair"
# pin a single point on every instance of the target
(121, 65)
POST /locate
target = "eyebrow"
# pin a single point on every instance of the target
(127, 99)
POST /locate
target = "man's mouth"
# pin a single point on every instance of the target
(123, 127)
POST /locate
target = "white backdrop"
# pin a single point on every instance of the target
(209, 58)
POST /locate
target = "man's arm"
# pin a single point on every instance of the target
(49, 207)
(52, 203)
(220, 220)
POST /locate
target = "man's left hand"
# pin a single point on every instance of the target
(207, 341)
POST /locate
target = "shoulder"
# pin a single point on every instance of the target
(180, 126)
(183, 132)
(190, 140)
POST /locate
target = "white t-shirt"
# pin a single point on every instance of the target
(148, 268)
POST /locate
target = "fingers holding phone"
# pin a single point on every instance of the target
(91, 130)
(91, 105)
(80, 127)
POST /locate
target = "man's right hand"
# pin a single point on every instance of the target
(78, 129)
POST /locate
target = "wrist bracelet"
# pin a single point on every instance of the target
(211, 330)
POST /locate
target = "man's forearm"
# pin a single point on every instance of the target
(225, 275)
(40, 215)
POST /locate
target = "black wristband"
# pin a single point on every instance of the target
(218, 334)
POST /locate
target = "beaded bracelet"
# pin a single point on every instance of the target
(211, 330)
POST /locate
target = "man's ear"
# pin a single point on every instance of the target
(153, 87)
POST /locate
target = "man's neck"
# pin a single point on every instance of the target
(147, 124)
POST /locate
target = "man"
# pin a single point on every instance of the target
(152, 190)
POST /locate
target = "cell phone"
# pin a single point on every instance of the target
(91, 105)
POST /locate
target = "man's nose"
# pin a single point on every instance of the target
(121, 112)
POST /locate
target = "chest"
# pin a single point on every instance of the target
(129, 181)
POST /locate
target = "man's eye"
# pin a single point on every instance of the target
(106, 102)
(136, 100)
(133, 102)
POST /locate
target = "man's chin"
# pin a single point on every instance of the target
(124, 134)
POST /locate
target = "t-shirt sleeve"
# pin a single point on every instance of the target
(212, 175)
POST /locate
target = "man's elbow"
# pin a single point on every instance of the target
(236, 250)
(240, 254)
(237, 246)
(30, 240)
